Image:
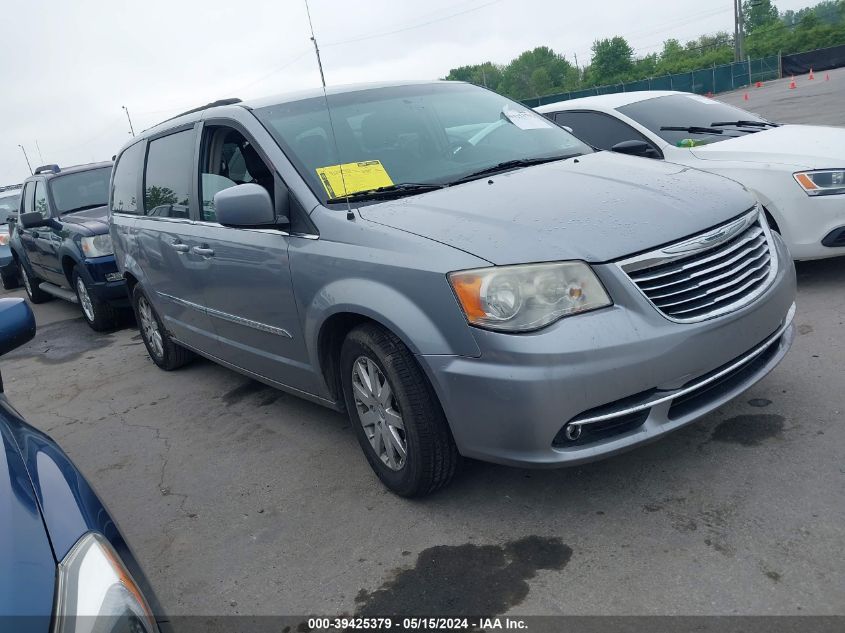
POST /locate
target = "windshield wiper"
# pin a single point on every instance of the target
(511, 164)
(390, 191)
(83, 208)
(692, 130)
(745, 124)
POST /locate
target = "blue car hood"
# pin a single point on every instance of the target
(95, 220)
(27, 565)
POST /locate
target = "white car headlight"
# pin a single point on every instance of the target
(528, 296)
(95, 592)
(821, 182)
(97, 245)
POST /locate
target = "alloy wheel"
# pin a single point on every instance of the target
(149, 327)
(379, 413)
(84, 299)
(26, 283)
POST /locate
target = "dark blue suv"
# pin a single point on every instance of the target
(61, 242)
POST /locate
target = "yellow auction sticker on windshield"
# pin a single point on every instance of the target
(363, 176)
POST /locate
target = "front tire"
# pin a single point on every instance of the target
(99, 315)
(395, 413)
(164, 351)
(30, 284)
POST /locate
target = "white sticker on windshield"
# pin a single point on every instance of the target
(526, 119)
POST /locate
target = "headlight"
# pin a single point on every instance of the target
(97, 246)
(96, 593)
(527, 297)
(822, 182)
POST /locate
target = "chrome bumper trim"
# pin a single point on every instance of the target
(746, 358)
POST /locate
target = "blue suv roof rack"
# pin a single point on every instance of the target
(47, 169)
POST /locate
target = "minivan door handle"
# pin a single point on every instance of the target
(204, 251)
(179, 247)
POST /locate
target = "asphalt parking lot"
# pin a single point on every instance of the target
(241, 499)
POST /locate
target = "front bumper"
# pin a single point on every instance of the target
(807, 223)
(512, 404)
(105, 282)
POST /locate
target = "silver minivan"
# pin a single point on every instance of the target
(462, 276)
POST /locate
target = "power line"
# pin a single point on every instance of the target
(373, 36)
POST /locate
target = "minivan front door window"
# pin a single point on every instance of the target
(229, 159)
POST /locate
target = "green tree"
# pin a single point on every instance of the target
(613, 60)
(486, 74)
(757, 13)
(521, 79)
(159, 196)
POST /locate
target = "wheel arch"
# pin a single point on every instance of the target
(68, 264)
(356, 300)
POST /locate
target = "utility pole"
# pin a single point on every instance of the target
(739, 29)
(131, 129)
(26, 157)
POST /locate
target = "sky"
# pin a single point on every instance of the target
(67, 69)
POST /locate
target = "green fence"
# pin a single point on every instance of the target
(702, 81)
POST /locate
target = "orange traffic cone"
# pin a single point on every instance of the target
(792, 85)
(759, 84)
(827, 77)
(745, 98)
(812, 76)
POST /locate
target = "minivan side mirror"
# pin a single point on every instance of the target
(244, 206)
(635, 148)
(32, 220)
(17, 324)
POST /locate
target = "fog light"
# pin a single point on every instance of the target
(114, 276)
(573, 432)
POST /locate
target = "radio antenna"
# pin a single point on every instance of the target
(349, 214)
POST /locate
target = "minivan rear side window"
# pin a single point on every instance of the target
(167, 179)
(125, 180)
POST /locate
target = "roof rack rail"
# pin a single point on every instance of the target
(47, 169)
(213, 104)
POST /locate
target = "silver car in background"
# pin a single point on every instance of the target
(462, 276)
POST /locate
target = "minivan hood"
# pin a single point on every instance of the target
(801, 146)
(95, 220)
(597, 208)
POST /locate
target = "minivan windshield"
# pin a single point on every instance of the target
(401, 137)
(81, 190)
(694, 119)
(9, 203)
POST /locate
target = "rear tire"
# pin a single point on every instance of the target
(99, 315)
(399, 422)
(30, 284)
(163, 350)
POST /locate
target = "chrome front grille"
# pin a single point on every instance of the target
(710, 274)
